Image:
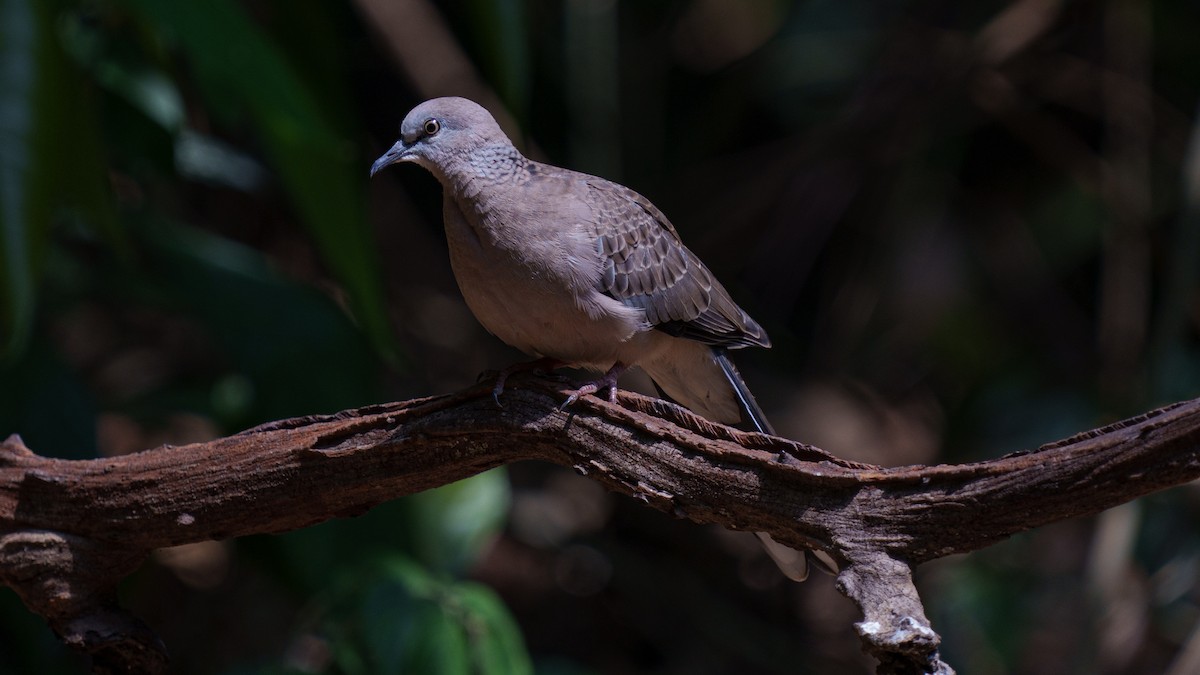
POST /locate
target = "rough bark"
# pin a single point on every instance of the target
(70, 530)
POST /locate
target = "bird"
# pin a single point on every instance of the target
(576, 270)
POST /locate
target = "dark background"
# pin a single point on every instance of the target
(969, 228)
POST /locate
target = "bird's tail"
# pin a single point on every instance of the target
(752, 415)
(703, 379)
(686, 374)
(793, 563)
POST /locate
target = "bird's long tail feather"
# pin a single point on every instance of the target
(793, 563)
(752, 414)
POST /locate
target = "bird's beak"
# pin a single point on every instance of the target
(397, 153)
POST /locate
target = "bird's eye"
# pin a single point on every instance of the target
(432, 126)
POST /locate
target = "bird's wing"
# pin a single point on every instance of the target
(645, 265)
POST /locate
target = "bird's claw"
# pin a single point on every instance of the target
(501, 378)
(607, 382)
(586, 389)
(540, 365)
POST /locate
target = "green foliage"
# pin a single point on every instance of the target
(249, 79)
(50, 160)
(446, 530)
(453, 523)
(931, 228)
(159, 309)
(264, 326)
(400, 618)
(500, 32)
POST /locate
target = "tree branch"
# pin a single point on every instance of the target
(70, 530)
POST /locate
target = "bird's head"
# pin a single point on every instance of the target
(441, 131)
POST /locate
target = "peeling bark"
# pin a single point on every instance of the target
(70, 530)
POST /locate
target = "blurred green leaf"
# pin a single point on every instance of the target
(50, 159)
(318, 166)
(22, 181)
(439, 645)
(445, 529)
(403, 619)
(453, 522)
(294, 349)
(500, 30)
(496, 641)
(110, 62)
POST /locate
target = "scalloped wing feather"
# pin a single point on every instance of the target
(645, 265)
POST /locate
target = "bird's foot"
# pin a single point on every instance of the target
(541, 365)
(607, 381)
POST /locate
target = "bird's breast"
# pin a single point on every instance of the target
(536, 288)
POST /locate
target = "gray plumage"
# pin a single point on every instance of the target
(576, 268)
(581, 270)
